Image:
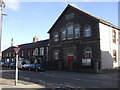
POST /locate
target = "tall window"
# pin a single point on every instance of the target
(56, 54)
(22, 53)
(114, 36)
(63, 35)
(56, 37)
(87, 31)
(114, 56)
(41, 51)
(35, 53)
(9, 54)
(70, 31)
(77, 31)
(88, 53)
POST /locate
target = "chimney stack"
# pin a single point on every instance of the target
(35, 39)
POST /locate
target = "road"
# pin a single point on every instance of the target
(64, 79)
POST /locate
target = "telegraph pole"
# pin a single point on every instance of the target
(2, 5)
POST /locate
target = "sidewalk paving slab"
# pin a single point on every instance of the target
(10, 83)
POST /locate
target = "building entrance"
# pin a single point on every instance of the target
(69, 56)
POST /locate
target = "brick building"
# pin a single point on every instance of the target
(30, 52)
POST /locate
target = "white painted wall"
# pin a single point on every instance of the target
(107, 47)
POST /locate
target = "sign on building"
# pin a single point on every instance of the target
(86, 62)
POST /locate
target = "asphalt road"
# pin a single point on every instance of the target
(64, 79)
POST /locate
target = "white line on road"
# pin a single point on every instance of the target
(69, 86)
(27, 78)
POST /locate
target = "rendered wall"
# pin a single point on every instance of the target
(107, 47)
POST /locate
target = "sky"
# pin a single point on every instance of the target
(26, 20)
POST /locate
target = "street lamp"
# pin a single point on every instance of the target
(2, 5)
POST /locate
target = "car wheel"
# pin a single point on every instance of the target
(29, 69)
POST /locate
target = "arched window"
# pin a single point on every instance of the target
(70, 31)
(88, 53)
(87, 31)
(63, 35)
(77, 31)
(114, 36)
(56, 36)
(56, 54)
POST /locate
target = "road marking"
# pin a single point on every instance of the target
(27, 78)
(44, 84)
(69, 86)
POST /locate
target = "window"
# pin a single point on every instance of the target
(35, 53)
(28, 52)
(41, 51)
(56, 37)
(9, 54)
(77, 31)
(114, 56)
(87, 31)
(114, 36)
(70, 31)
(56, 54)
(63, 35)
(88, 53)
(22, 53)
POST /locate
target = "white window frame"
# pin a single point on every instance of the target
(22, 53)
(70, 31)
(35, 53)
(114, 36)
(56, 54)
(88, 53)
(77, 31)
(56, 37)
(42, 51)
(87, 31)
(63, 35)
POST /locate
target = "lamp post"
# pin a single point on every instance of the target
(2, 5)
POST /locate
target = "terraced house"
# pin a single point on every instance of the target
(81, 41)
(34, 52)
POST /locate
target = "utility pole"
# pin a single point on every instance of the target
(2, 5)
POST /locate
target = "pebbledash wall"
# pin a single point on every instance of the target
(80, 41)
(109, 45)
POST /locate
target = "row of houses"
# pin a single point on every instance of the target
(29, 53)
(78, 41)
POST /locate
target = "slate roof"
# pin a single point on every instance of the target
(36, 44)
(96, 18)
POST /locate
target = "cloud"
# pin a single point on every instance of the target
(12, 4)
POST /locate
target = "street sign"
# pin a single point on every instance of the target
(16, 50)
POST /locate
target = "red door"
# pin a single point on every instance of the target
(70, 58)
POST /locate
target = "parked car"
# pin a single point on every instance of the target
(6, 64)
(36, 67)
(12, 65)
(25, 66)
(2, 63)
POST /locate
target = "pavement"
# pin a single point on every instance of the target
(10, 83)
